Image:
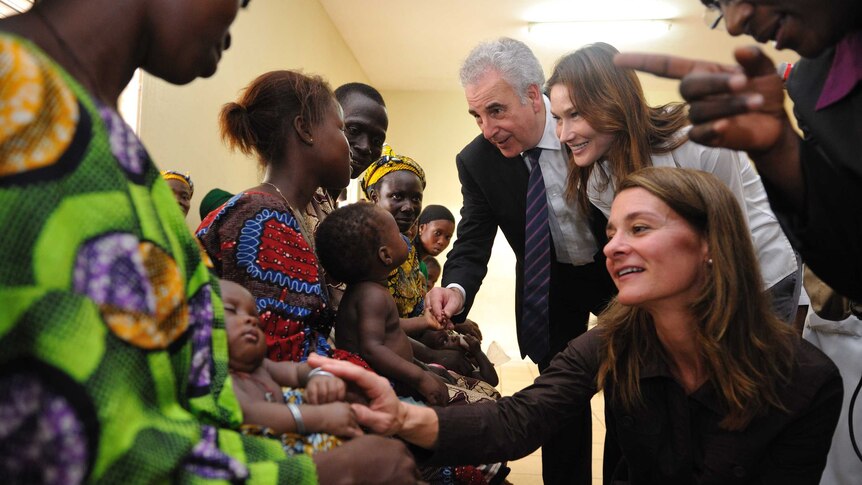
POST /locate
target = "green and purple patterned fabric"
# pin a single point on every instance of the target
(113, 353)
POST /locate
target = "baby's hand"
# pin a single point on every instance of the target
(322, 389)
(433, 324)
(433, 389)
(473, 344)
(337, 418)
(469, 327)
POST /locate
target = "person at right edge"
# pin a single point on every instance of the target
(513, 177)
(812, 181)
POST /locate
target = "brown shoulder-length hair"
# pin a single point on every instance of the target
(612, 101)
(259, 121)
(747, 350)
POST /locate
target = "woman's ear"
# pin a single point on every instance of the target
(704, 249)
(372, 194)
(421, 228)
(384, 254)
(303, 130)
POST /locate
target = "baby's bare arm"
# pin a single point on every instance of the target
(377, 325)
(486, 369)
(287, 374)
(319, 388)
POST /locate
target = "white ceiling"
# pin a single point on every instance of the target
(419, 44)
(11, 7)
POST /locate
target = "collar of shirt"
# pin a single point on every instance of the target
(549, 140)
(846, 71)
(705, 394)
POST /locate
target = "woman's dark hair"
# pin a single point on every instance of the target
(747, 351)
(259, 121)
(435, 212)
(612, 101)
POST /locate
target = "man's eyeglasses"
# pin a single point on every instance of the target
(712, 16)
(714, 13)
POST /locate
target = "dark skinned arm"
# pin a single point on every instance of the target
(486, 369)
(739, 107)
(372, 316)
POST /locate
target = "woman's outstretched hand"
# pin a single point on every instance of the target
(384, 414)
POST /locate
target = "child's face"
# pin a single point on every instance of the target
(391, 238)
(400, 194)
(436, 235)
(246, 341)
(433, 276)
(443, 340)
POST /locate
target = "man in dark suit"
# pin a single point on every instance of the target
(502, 82)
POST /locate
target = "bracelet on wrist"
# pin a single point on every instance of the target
(297, 417)
(317, 371)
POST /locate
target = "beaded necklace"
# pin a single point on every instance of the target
(299, 216)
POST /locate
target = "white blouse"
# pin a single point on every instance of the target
(774, 253)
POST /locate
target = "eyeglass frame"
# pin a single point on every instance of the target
(717, 5)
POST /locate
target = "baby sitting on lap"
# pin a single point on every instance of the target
(258, 382)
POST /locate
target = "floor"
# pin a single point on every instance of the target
(516, 375)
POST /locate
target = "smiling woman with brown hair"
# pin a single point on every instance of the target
(610, 131)
(702, 383)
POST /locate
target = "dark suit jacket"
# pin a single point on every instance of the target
(828, 233)
(494, 189)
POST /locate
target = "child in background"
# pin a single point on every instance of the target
(182, 187)
(433, 268)
(258, 383)
(436, 227)
(361, 244)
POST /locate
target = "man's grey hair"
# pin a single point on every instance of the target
(515, 62)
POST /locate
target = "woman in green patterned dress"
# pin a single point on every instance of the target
(113, 361)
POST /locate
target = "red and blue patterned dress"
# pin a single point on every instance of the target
(255, 240)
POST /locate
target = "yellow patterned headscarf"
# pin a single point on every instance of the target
(186, 178)
(389, 162)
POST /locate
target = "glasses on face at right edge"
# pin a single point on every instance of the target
(714, 13)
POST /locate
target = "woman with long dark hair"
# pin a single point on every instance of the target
(702, 382)
(610, 131)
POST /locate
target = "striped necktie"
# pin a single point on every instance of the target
(537, 264)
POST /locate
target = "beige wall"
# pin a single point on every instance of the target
(178, 124)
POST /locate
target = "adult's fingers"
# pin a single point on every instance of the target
(434, 303)
(718, 107)
(698, 85)
(380, 423)
(658, 64)
(668, 66)
(706, 133)
(432, 321)
(341, 368)
(754, 62)
(366, 381)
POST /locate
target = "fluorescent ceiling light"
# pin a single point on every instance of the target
(572, 35)
(590, 10)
